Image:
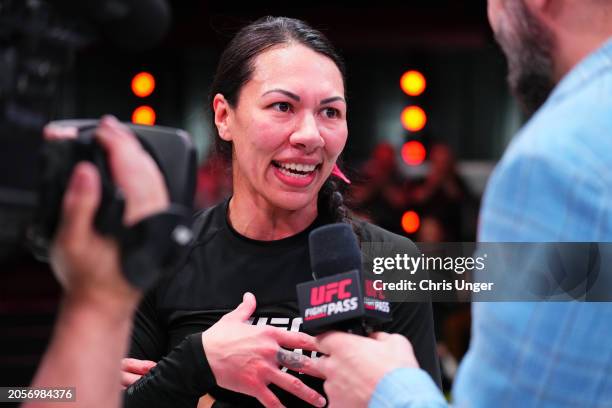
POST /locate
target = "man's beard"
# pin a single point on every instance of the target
(528, 49)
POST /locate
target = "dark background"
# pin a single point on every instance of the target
(448, 41)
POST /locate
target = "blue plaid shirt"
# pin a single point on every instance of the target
(553, 184)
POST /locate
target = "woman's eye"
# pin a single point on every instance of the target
(331, 113)
(282, 106)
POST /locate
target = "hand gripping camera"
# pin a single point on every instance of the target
(153, 245)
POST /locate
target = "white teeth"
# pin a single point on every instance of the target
(289, 173)
(298, 166)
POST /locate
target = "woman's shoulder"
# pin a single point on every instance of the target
(371, 233)
(208, 220)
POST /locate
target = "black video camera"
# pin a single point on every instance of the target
(152, 245)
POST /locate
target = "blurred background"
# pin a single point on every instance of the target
(429, 115)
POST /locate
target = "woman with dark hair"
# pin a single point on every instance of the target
(279, 106)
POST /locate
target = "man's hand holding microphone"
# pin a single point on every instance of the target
(352, 364)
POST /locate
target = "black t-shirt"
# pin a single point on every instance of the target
(221, 266)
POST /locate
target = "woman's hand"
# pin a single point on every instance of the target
(206, 402)
(246, 358)
(132, 369)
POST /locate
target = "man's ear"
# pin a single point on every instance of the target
(222, 112)
(536, 4)
(542, 8)
(549, 12)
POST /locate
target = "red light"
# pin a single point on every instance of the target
(411, 222)
(413, 83)
(413, 118)
(143, 84)
(144, 115)
(413, 153)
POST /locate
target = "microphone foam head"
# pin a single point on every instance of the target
(333, 249)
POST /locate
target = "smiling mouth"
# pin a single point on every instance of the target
(296, 170)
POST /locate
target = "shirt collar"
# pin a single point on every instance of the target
(589, 67)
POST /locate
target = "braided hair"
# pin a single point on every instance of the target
(331, 200)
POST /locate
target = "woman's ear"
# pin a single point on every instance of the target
(222, 111)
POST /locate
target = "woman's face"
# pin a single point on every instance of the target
(287, 128)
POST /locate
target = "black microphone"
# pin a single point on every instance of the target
(335, 299)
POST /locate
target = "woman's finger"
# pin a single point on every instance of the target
(298, 362)
(294, 340)
(128, 379)
(267, 398)
(136, 366)
(296, 387)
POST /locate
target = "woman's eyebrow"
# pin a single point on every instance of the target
(297, 98)
(286, 93)
(332, 99)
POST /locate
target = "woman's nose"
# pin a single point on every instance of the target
(307, 136)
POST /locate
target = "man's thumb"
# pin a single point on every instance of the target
(81, 201)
